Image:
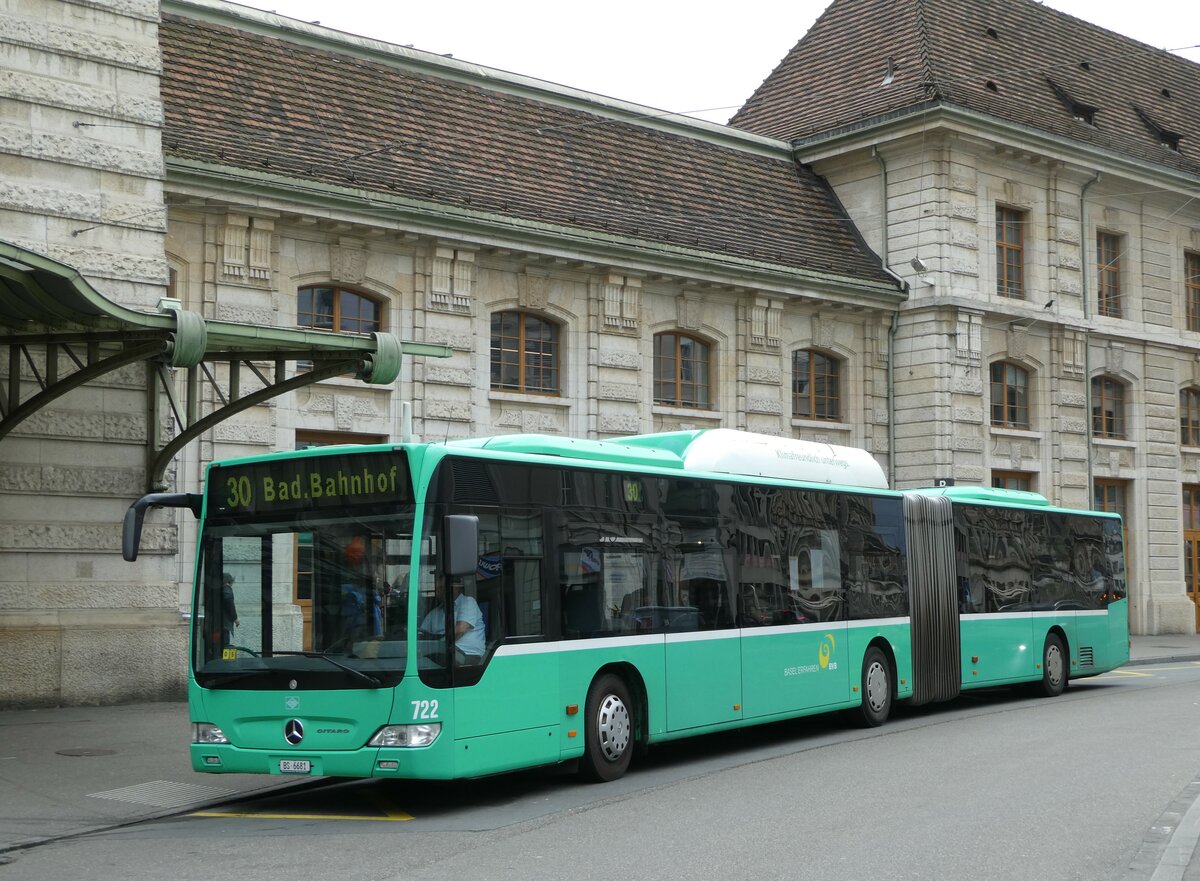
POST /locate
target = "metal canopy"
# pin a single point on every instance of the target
(61, 333)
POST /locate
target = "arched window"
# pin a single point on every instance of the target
(524, 353)
(332, 308)
(682, 370)
(816, 386)
(1189, 417)
(1108, 407)
(1010, 395)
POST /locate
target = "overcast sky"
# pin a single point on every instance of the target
(661, 53)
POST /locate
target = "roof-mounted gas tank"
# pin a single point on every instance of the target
(726, 451)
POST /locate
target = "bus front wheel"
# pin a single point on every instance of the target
(876, 688)
(1054, 667)
(608, 739)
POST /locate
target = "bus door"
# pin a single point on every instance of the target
(505, 687)
(703, 649)
(1191, 546)
(795, 653)
(996, 596)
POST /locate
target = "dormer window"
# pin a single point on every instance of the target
(1085, 113)
(889, 73)
(1163, 135)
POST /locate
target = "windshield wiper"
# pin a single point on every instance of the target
(366, 677)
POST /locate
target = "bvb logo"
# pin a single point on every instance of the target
(827, 646)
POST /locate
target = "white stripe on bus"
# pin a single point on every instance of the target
(613, 642)
(1009, 616)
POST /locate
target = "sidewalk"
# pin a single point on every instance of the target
(74, 770)
(1163, 649)
(82, 769)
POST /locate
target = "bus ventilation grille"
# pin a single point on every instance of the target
(473, 482)
(1085, 656)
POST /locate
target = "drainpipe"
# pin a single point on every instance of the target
(891, 399)
(891, 338)
(1087, 339)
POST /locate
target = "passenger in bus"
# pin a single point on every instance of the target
(229, 615)
(469, 637)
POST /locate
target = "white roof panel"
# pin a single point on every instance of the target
(742, 452)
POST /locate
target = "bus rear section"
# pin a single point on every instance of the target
(1008, 589)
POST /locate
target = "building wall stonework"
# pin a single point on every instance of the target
(915, 383)
(942, 192)
(606, 368)
(82, 170)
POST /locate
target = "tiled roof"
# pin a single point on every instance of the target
(1016, 60)
(239, 98)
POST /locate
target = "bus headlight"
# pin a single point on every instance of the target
(406, 735)
(206, 732)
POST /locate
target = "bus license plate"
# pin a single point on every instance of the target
(294, 766)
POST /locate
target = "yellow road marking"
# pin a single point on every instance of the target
(1130, 672)
(390, 811)
(393, 816)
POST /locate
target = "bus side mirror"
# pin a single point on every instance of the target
(460, 535)
(131, 530)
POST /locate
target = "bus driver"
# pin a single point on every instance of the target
(468, 621)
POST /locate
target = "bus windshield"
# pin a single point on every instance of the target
(324, 596)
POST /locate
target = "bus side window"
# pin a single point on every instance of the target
(522, 597)
(508, 577)
(582, 610)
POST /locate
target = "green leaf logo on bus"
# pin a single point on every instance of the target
(828, 644)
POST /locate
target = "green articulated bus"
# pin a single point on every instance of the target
(464, 608)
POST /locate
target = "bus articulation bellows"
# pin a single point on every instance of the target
(464, 608)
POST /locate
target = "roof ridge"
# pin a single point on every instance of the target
(930, 76)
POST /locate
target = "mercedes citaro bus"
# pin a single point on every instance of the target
(464, 608)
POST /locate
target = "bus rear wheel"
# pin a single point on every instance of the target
(608, 738)
(1054, 667)
(876, 688)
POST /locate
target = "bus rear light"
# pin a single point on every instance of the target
(406, 735)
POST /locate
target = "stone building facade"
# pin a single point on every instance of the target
(949, 403)
(701, 241)
(1039, 197)
(906, 270)
(82, 182)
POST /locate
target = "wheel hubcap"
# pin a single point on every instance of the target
(1054, 664)
(877, 687)
(612, 726)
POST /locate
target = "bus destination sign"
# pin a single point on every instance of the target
(306, 483)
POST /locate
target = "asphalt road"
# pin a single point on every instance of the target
(996, 785)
